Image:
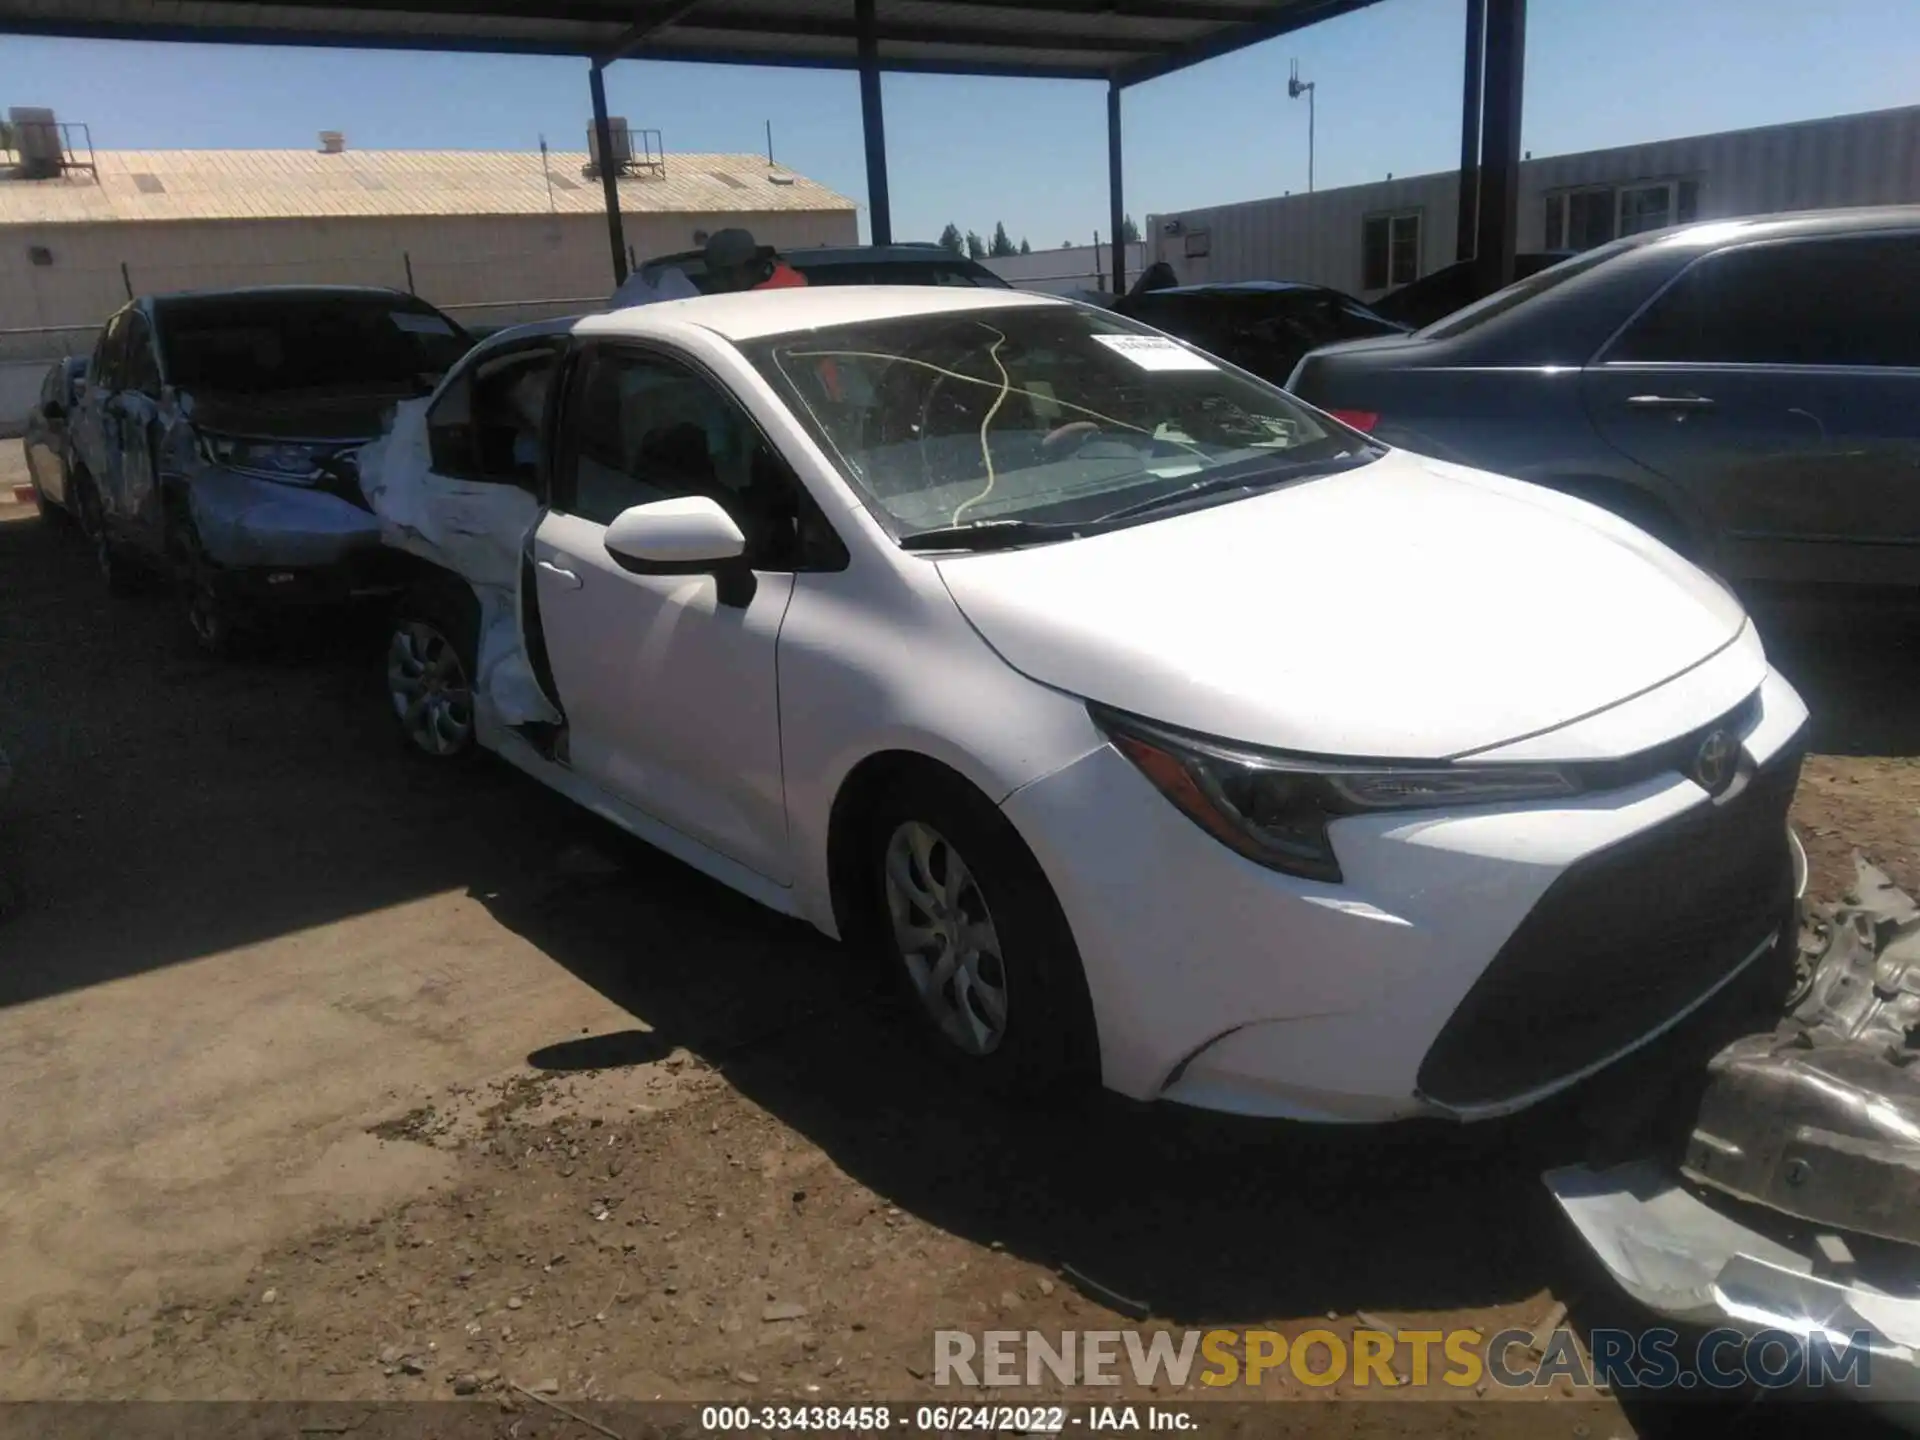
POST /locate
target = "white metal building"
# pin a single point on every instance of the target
(1067, 270)
(1367, 239)
(494, 236)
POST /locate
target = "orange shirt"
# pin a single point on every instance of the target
(784, 277)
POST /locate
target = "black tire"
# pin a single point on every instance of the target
(434, 640)
(1046, 1045)
(116, 572)
(216, 624)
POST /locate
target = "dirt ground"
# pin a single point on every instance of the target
(327, 1076)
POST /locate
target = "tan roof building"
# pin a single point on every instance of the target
(133, 186)
(496, 237)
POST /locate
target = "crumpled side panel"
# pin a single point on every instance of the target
(475, 530)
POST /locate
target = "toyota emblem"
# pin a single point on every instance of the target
(1716, 762)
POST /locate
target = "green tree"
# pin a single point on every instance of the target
(1129, 232)
(1025, 248)
(976, 247)
(1002, 245)
(952, 239)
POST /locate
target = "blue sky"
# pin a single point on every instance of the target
(1032, 153)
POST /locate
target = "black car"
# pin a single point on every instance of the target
(1436, 296)
(1746, 390)
(1263, 326)
(851, 265)
(48, 459)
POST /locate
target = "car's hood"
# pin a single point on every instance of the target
(345, 419)
(1409, 609)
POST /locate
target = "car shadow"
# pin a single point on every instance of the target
(1146, 1208)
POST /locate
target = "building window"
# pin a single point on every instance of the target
(1389, 251)
(1581, 219)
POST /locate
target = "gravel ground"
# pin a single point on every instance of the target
(591, 1126)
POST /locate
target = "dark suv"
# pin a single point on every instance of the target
(1747, 390)
(853, 265)
(208, 443)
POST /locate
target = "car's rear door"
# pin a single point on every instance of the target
(667, 681)
(42, 436)
(1778, 385)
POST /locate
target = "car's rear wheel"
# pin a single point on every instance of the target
(432, 666)
(974, 937)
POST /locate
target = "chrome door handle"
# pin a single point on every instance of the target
(566, 577)
(1670, 402)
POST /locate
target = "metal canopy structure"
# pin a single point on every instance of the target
(1121, 42)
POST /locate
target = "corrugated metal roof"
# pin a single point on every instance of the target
(1127, 40)
(306, 184)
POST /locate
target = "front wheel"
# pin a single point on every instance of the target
(974, 936)
(214, 622)
(431, 669)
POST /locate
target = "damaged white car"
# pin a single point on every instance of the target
(1153, 726)
(204, 446)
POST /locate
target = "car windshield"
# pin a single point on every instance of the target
(269, 344)
(1050, 414)
(1501, 301)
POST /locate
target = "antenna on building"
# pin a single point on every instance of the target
(769, 144)
(1296, 87)
(547, 170)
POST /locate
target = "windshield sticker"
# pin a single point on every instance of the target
(415, 324)
(1156, 352)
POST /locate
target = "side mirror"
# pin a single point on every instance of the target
(685, 536)
(54, 410)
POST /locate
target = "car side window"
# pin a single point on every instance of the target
(644, 427)
(486, 425)
(139, 366)
(1852, 302)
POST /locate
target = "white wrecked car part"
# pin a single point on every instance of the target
(473, 529)
(1696, 1265)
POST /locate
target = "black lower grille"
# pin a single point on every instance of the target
(1623, 941)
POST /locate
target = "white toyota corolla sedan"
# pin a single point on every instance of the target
(1151, 725)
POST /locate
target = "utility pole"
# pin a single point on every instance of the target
(1296, 87)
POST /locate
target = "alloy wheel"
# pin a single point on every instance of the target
(946, 938)
(431, 692)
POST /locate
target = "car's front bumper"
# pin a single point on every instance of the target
(1221, 984)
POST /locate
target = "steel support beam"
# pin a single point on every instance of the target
(1116, 197)
(1500, 139)
(609, 173)
(873, 126)
(1470, 104)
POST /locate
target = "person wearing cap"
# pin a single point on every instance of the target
(736, 261)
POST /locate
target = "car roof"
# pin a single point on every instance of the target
(754, 314)
(1712, 234)
(1239, 287)
(282, 292)
(907, 252)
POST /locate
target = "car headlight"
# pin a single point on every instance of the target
(1274, 809)
(290, 463)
